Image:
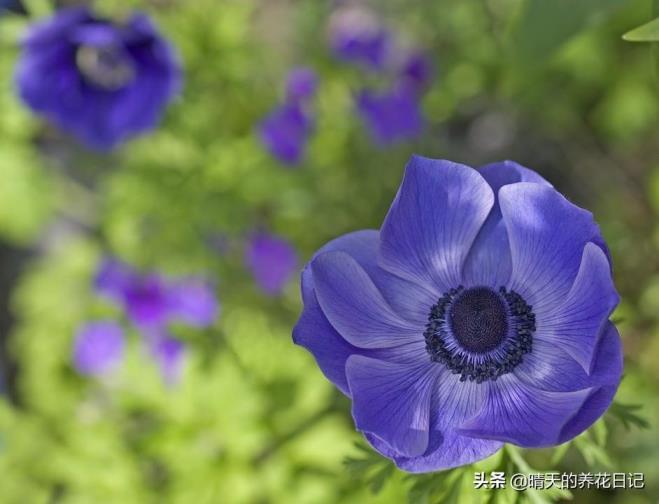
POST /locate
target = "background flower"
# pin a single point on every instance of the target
(100, 80)
(98, 347)
(272, 261)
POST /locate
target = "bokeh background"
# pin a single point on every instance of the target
(250, 418)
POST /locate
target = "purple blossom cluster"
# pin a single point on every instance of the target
(151, 302)
(392, 114)
(285, 130)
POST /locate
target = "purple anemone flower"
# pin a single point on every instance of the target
(152, 301)
(169, 353)
(98, 347)
(100, 80)
(417, 71)
(272, 261)
(301, 84)
(391, 116)
(478, 314)
(357, 36)
(285, 132)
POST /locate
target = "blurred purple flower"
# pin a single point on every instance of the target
(301, 84)
(193, 301)
(357, 36)
(285, 132)
(98, 347)
(417, 71)
(100, 80)
(272, 261)
(151, 300)
(147, 301)
(390, 116)
(169, 353)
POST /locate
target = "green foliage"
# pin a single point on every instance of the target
(628, 415)
(649, 32)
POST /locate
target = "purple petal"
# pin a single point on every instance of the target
(524, 415)
(193, 301)
(272, 260)
(433, 222)
(98, 347)
(392, 401)
(489, 261)
(355, 307)
(550, 367)
(453, 403)
(409, 300)
(576, 324)
(547, 236)
(314, 332)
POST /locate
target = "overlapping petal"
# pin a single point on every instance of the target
(433, 221)
(576, 324)
(354, 306)
(392, 401)
(489, 261)
(547, 236)
(522, 414)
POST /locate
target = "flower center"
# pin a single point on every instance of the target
(105, 67)
(479, 333)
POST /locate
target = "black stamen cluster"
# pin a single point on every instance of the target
(522, 321)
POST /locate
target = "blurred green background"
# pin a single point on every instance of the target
(548, 83)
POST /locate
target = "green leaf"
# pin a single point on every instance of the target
(543, 26)
(649, 32)
(370, 467)
(628, 416)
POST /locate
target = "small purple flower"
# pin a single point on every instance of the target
(272, 261)
(193, 301)
(390, 116)
(100, 80)
(301, 84)
(478, 314)
(285, 132)
(98, 347)
(357, 36)
(417, 71)
(153, 301)
(169, 353)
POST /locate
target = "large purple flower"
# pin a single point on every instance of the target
(100, 80)
(478, 314)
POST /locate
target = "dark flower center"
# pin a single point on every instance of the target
(105, 67)
(478, 319)
(479, 333)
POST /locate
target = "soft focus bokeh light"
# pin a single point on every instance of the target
(213, 403)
